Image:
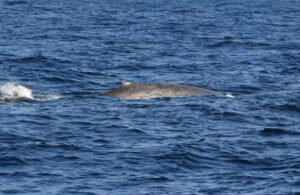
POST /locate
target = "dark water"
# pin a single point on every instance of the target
(75, 142)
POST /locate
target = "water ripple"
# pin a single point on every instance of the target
(58, 136)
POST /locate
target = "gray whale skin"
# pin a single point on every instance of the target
(134, 90)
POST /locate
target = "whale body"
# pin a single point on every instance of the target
(135, 90)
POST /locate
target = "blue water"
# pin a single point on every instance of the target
(82, 143)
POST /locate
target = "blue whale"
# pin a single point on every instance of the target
(135, 90)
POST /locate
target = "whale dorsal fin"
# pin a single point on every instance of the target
(125, 83)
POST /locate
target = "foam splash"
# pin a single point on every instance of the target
(15, 91)
(229, 95)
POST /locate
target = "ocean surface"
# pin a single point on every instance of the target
(58, 136)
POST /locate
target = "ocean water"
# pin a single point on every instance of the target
(57, 136)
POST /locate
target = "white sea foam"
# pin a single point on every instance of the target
(229, 95)
(14, 91)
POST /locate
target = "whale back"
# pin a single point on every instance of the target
(152, 90)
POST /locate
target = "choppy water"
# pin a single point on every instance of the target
(67, 140)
